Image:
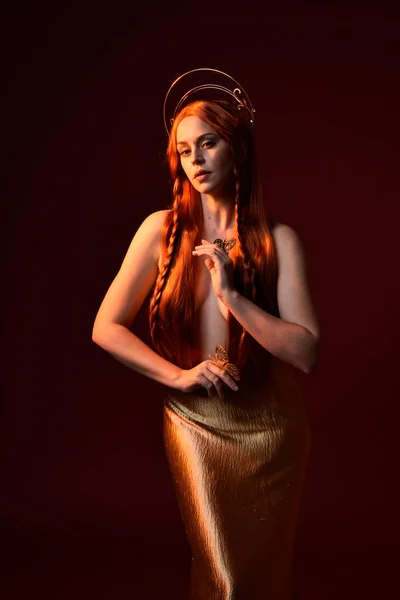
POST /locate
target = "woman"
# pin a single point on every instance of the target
(231, 322)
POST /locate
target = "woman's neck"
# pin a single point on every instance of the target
(218, 215)
(211, 232)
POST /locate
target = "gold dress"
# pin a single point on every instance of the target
(238, 466)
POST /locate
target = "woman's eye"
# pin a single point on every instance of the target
(207, 144)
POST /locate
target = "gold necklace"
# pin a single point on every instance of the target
(227, 244)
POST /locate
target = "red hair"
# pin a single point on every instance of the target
(172, 303)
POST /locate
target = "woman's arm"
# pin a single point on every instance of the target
(123, 300)
(295, 337)
(128, 349)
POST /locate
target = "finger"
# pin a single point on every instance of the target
(210, 251)
(213, 247)
(213, 385)
(226, 378)
(207, 243)
(206, 383)
(218, 386)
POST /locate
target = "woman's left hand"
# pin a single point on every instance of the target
(220, 266)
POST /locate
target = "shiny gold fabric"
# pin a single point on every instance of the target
(238, 465)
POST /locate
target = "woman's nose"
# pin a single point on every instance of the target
(197, 158)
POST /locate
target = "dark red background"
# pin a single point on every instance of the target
(87, 507)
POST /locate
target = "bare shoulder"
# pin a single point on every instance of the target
(156, 223)
(159, 214)
(155, 220)
(289, 246)
(294, 292)
(284, 234)
(152, 226)
(135, 278)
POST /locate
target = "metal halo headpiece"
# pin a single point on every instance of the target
(238, 93)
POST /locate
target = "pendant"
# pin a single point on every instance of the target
(221, 360)
(226, 245)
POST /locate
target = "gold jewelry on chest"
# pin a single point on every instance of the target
(227, 244)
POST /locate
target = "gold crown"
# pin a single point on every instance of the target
(237, 93)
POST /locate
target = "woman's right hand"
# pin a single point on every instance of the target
(205, 374)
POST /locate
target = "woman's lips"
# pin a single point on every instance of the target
(202, 176)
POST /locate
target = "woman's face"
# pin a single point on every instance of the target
(201, 148)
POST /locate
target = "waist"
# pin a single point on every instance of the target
(278, 401)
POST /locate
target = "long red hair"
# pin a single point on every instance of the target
(172, 303)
